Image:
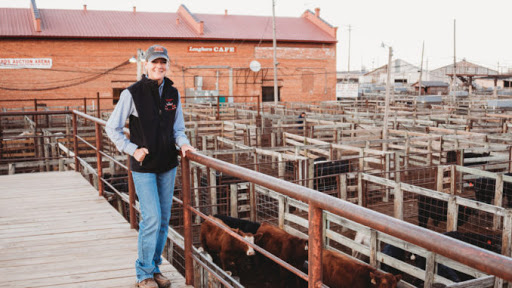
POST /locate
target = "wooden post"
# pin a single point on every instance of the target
(373, 248)
(75, 142)
(440, 178)
(213, 190)
(61, 164)
(453, 180)
(311, 172)
(233, 200)
(452, 217)
(204, 143)
(342, 179)
(429, 269)
(252, 201)
(282, 211)
(196, 183)
(399, 201)
(498, 201)
(397, 167)
(325, 227)
(387, 173)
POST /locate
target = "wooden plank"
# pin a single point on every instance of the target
(56, 232)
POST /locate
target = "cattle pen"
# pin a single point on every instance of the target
(324, 182)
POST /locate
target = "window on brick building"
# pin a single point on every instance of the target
(308, 81)
(267, 94)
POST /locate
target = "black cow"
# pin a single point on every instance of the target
(419, 262)
(326, 173)
(437, 210)
(237, 223)
(491, 242)
(485, 190)
(451, 157)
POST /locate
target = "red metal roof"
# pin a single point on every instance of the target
(128, 25)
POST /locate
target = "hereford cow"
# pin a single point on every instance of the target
(341, 271)
(436, 209)
(289, 248)
(230, 250)
(237, 223)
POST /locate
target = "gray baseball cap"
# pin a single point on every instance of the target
(155, 52)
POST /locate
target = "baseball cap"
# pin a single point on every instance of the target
(155, 52)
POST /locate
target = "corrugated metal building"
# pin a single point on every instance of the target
(50, 53)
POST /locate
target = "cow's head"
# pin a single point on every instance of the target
(384, 280)
(249, 250)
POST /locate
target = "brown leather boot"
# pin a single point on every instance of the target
(147, 283)
(162, 281)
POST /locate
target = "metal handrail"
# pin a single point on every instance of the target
(483, 260)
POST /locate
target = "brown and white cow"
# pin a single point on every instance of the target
(289, 248)
(341, 271)
(214, 240)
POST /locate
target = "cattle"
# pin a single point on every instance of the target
(491, 242)
(364, 239)
(485, 190)
(341, 271)
(326, 173)
(289, 248)
(436, 209)
(451, 158)
(442, 270)
(237, 223)
(231, 251)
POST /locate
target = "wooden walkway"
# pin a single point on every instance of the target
(56, 232)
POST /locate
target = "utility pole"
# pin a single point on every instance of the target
(421, 71)
(454, 79)
(276, 89)
(386, 100)
(349, 32)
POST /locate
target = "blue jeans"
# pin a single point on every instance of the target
(155, 191)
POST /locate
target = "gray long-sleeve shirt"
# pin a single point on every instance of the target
(126, 107)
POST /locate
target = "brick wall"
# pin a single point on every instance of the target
(83, 62)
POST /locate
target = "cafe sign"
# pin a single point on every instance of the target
(25, 63)
(212, 49)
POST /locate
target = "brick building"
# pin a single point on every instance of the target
(79, 53)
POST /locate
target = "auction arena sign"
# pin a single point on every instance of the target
(25, 63)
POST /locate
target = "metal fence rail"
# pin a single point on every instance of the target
(472, 256)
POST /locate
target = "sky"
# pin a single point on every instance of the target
(482, 34)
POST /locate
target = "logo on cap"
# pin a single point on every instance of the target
(158, 49)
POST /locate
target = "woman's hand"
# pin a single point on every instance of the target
(140, 154)
(186, 148)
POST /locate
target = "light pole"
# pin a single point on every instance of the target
(140, 60)
(276, 89)
(386, 100)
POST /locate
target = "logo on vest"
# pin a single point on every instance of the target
(169, 105)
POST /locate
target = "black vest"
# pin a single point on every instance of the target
(153, 129)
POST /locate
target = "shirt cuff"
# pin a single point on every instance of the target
(182, 141)
(130, 149)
